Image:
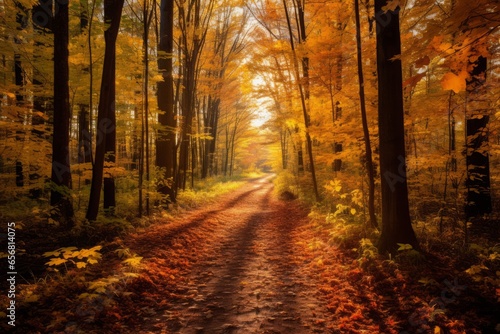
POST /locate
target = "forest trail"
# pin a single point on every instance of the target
(248, 275)
(253, 264)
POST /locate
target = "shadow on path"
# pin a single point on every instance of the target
(168, 232)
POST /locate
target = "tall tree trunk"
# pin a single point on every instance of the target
(337, 163)
(303, 89)
(193, 144)
(43, 25)
(226, 43)
(284, 148)
(84, 138)
(84, 148)
(60, 197)
(187, 122)
(109, 190)
(147, 14)
(91, 80)
(166, 154)
(213, 112)
(22, 23)
(337, 112)
(136, 141)
(227, 149)
(190, 16)
(146, 123)
(396, 223)
(233, 143)
(141, 168)
(477, 154)
(366, 133)
(106, 109)
(19, 82)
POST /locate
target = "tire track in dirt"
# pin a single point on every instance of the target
(253, 279)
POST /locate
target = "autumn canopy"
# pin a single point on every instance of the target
(380, 117)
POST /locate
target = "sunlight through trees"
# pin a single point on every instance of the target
(381, 117)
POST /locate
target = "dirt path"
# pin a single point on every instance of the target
(246, 276)
(253, 264)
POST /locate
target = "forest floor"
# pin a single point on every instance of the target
(252, 263)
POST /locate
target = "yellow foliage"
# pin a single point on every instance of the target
(476, 269)
(56, 262)
(456, 83)
(87, 295)
(80, 265)
(67, 254)
(133, 261)
(334, 186)
(32, 298)
(391, 5)
(101, 285)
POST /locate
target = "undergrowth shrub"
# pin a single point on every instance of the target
(409, 256)
(78, 258)
(344, 230)
(367, 253)
(285, 184)
(94, 296)
(103, 228)
(343, 200)
(486, 270)
(25, 209)
(251, 173)
(205, 192)
(346, 234)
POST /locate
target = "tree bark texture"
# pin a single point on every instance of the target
(166, 153)
(366, 134)
(477, 155)
(60, 198)
(106, 109)
(396, 223)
